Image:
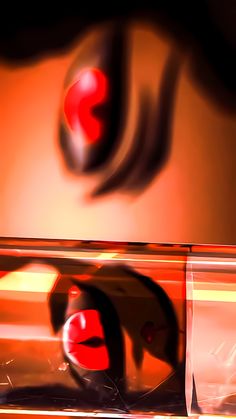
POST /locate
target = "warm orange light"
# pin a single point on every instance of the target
(28, 281)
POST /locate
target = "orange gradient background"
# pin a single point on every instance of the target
(192, 200)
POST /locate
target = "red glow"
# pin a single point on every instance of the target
(89, 92)
(74, 292)
(83, 277)
(83, 340)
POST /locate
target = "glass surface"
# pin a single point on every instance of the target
(117, 328)
(213, 329)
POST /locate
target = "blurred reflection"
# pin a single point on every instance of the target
(100, 335)
(121, 307)
(213, 345)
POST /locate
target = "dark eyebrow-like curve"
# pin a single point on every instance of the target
(138, 169)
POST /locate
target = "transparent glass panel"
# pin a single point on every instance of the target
(92, 327)
(211, 284)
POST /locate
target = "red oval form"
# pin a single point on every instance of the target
(87, 93)
(83, 341)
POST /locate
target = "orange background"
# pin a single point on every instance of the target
(192, 200)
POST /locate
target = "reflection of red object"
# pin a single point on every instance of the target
(83, 340)
(74, 292)
(89, 92)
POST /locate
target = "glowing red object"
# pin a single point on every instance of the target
(83, 277)
(86, 94)
(74, 292)
(83, 341)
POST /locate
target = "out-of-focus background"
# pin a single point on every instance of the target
(192, 198)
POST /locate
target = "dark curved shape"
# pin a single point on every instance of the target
(111, 49)
(157, 147)
(152, 137)
(58, 302)
(172, 343)
(205, 28)
(119, 176)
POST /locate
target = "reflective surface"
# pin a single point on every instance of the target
(214, 331)
(117, 328)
